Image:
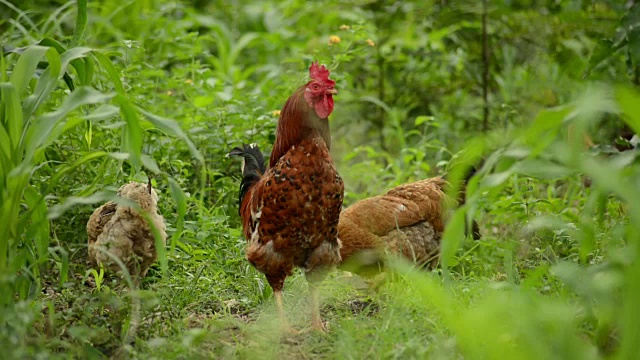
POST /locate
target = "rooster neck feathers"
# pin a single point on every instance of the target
(297, 122)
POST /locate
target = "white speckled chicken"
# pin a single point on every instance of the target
(123, 232)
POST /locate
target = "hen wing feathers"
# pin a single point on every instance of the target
(401, 206)
(408, 220)
(95, 226)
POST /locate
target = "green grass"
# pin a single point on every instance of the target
(95, 94)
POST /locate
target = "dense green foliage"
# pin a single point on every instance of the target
(94, 94)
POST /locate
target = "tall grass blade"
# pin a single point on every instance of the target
(12, 121)
(132, 135)
(81, 22)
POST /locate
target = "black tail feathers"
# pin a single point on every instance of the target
(253, 166)
(253, 159)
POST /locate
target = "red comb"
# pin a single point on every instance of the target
(319, 72)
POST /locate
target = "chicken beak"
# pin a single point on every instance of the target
(332, 91)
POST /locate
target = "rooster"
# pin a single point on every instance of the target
(290, 211)
(408, 221)
(120, 231)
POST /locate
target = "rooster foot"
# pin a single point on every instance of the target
(288, 330)
(320, 327)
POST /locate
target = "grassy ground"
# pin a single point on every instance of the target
(211, 303)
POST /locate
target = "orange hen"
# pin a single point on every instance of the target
(290, 212)
(408, 221)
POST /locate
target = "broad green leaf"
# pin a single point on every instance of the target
(181, 202)
(542, 169)
(78, 64)
(374, 100)
(12, 119)
(46, 84)
(545, 121)
(5, 154)
(26, 67)
(74, 54)
(239, 45)
(81, 22)
(103, 112)
(202, 101)
(65, 169)
(113, 74)
(38, 227)
(132, 135)
(423, 119)
(120, 156)
(608, 178)
(89, 70)
(99, 197)
(50, 42)
(40, 133)
(496, 179)
(172, 128)
(629, 101)
(603, 50)
(452, 239)
(150, 163)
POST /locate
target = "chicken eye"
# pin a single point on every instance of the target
(316, 87)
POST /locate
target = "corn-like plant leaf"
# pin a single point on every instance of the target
(239, 45)
(40, 134)
(54, 44)
(181, 201)
(81, 21)
(61, 49)
(100, 197)
(171, 127)
(132, 135)
(103, 112)
(57, 68)
(113, 74)
(542, 169)
(89, 70)
(6, 164)
(46, 84)
(65, 169)
(629, 101)
(73, 54)
(26, 66)
(452, 239)
(11, 116)
(546, 120)
(150, 163)
(38, 223)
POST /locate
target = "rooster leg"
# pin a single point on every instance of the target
(277, 283)
(283, 318)
(322, 260)
(314, 278)
(316, 320)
